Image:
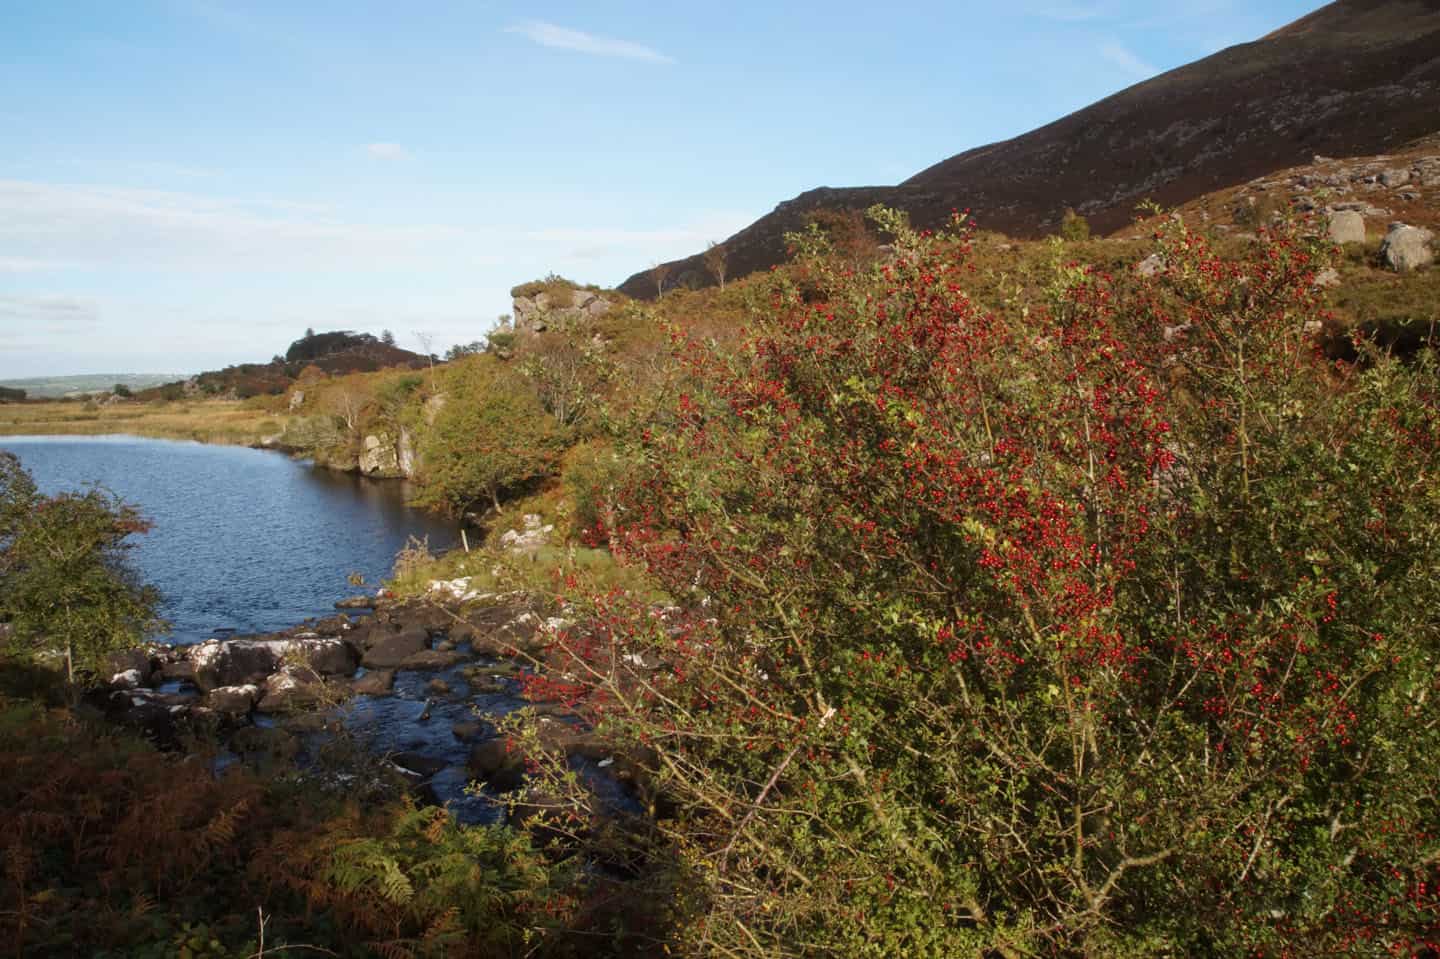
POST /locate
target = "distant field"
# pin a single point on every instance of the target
(58, 386)
(241, 422)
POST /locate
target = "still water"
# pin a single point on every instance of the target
(244, 539)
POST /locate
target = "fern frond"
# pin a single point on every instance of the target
(395, 948)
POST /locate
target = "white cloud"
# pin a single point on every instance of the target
(103, 226)
(387, 151)
(48, 309)
(562, 38)
(1117, 54)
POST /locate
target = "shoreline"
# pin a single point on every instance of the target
(217, 422)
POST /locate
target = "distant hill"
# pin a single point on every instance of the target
(53, 387)
(336, 353)
(1354, 78)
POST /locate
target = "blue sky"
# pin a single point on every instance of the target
(190, 183)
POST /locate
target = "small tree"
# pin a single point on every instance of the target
(121, 390)
(387, 338)
(568, 371)
(348, 402)
(716, 256)
(64, 584)
(1074, 227)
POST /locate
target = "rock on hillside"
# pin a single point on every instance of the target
(1407, 248)
(537, 306)
(1360, 195)
(1355, 78)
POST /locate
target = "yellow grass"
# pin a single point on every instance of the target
(238, 422)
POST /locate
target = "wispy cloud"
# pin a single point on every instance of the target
(29, 264)
(1118, 55)
(117, 227)
(387, 151)
(48, 309)
(563, 38)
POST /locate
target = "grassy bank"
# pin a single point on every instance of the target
(239, 422)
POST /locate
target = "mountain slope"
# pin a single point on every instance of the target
(1357, 77)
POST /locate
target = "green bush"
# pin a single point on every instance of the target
(1074, 227)
(65, 588)
(492, 436)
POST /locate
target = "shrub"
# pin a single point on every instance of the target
(1062, 634)
(492, 436)
(64, 585)
(459, 350)
(1074, 227)
(499, 341)
(1254, 212)
(594, 476)
(568, 371)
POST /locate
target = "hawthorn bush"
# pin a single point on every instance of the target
(1102, 629)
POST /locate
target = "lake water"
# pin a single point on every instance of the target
(244, 539)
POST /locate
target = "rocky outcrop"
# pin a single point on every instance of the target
(384, 456)
(405, 458)
(537, 310)
(377, 456)
(1407, 248)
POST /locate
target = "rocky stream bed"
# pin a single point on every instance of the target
(418, 685)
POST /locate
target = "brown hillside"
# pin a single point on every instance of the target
(1355, 78)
